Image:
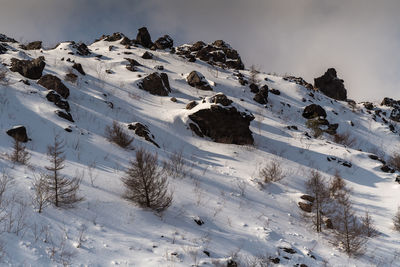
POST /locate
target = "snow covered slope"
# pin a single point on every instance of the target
(242, 220)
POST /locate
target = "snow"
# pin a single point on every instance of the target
(221, 188)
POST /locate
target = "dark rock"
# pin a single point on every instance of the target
(197, 46)
(207, 253)
(26, 82)
(79, 68)
(6, 39)
(390, 102)
(156, 84)
(275, 91)
(81, 49)
(3, 49)
(191, 104)
(299, 81)
(397, 179)
(308, 198)
(314, 111)
(195, 129)
(293, 127)
(395, 114)
(307, 207)
(71, 77)
(164, 42)
(262, 96)
(52, 96)
(69, 130)
(111, 48)
(369, 105)
(330, 85)
(231, 263)
(173, 99)
(242, 81)
(289, 250)
(31, 69)
(275, 260)
(328, 223)
(222, 99)
(143, 38)
(391, 128)
(198, 221)
(65, 115)
(142, 131)
(224, 125)
(147, 55)
(54, 83)
(332, 128)
(114, 37)
(197, 80)
(109, 71)
(32, 46)
(386, 168)
(18, 133)
(133, 62)
(159, 67)
(125, 41)
(254, 88)
(131, 68)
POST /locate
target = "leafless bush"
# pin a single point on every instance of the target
(345, 139)
(176, 166)
(40, 198)
(146, 183)
(272, 172)
(337, 186)
(254, 71)
(368, 225)
(19, 153)
(117, 135)
(396, 220)
(394, 161)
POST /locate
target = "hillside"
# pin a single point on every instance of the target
(242, 220)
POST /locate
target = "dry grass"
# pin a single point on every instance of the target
(117, 135)
(344, 139)
(272, 172)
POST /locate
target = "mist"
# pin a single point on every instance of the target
(360, 39)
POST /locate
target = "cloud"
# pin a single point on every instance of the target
(303, 37)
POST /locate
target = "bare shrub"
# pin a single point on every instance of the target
(40, 198)
(254, 71)
(19, 153)
(117, 135)
(146, 183)
(62, 191)
(272, 172)
(368, 225)
(337, 186)
(345, 139)
(394, 161)
(176, 166)
(396, 220)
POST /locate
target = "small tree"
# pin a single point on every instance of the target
(368, 225)
(19, 153)
(338, 186)
(253, 75)
(117, 135)
(317, 188)
(146, 183)
(40, 198)
(396, 220)
(62, 191)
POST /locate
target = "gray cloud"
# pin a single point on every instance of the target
(303, 37)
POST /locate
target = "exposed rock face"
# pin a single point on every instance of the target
(32, 46)
(143, 38)
(191, 104)
(307, 207)
(330, 85)
(223, 124)
(313, 111)
(3, 49)
(112, 38)
(18, 133)
(395, 104)
(79, 68)
(81, 49)
(218, 53)
(54, 83)
(126, 41)
(31, 69)
(147, 55)
(6, 39)
(52, 96)
(132, 64)
(164, 42)
(262, 96)
(299, 81)
(196, 79)
(254, 88)
(143, 131)
(156, 84)
(65, 115)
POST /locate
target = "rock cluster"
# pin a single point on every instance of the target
(330, 85)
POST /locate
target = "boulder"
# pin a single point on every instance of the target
(254, 88)
(390, 102)
(3, 49)
(191, 104)
(132, 64)
(308, 198)
(299, 81)
(52, 96)
(81, 49)
(368, 105)
(6, 39)
(114, 37)
(275, 91)
(307, 207)
(143, 131)
(262, 96)
(197, 80)
(164, 42)
(156, 84)
(143, 38)
(222, 99)
(328, 223)
(31, 69)
(330, 85)
(147, 55)
(54, 83)
(65, 115)
(395, 114)
(223, 125)
(313, 111)
(18, 133)
(32, 46)
(79, 68)
(126, 41)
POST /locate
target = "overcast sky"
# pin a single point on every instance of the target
(360, 38)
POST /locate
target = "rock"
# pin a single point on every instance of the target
(79, 68)
(223, 125)
(6, 39)
(207, 253)
(254, 88)
(111, 48)
(173, 99)
(390, 102)
(164, 42)
(132, 64)
(52, 96)
(332, 128)
(3, 49)
(54, 83)
(308, 198)
(313, 111)
(156, 84)
(147, 55)
(71, 77)
(328, 223)
(114, 37)
(289, 250)
(307, 207)
(191, 104)
(275, 91)
(397, 179)
(222, 99)
(31, 69)
(231, 263)
(275, 260)
(198, 221)
(81, 49)
(18, 133)
(142, 131)
(375, 157)
(395, 114)
(64, 115)
(32, 46)
(299, 81)
(109, 71)
(159, 67)
(369, 105)
(195, 129)
(143, 38)
(262, 96)
(126, 41)
(386, 168)
(197, 80)
(330, 85)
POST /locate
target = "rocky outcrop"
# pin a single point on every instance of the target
(52, 96)
(330, 85)
(262, 96)
(18, 133)
(81, 49)
(112, 38)
(222, 99)
(31, 69)
(143, 38)
(147, 55)
(51, 82)
(156, 84)
(164, 42)
(299, 81)
(79, 68)
(6, 39)
(314, 111)
(395, 104)
(132, 64)
(223, 124)
(65, 115)
(197, 80)
(32, 45)
(143, 131)
(3, 49)
(218, 53)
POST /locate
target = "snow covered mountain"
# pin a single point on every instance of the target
(194, 106)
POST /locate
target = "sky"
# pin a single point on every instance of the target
(360, 38)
